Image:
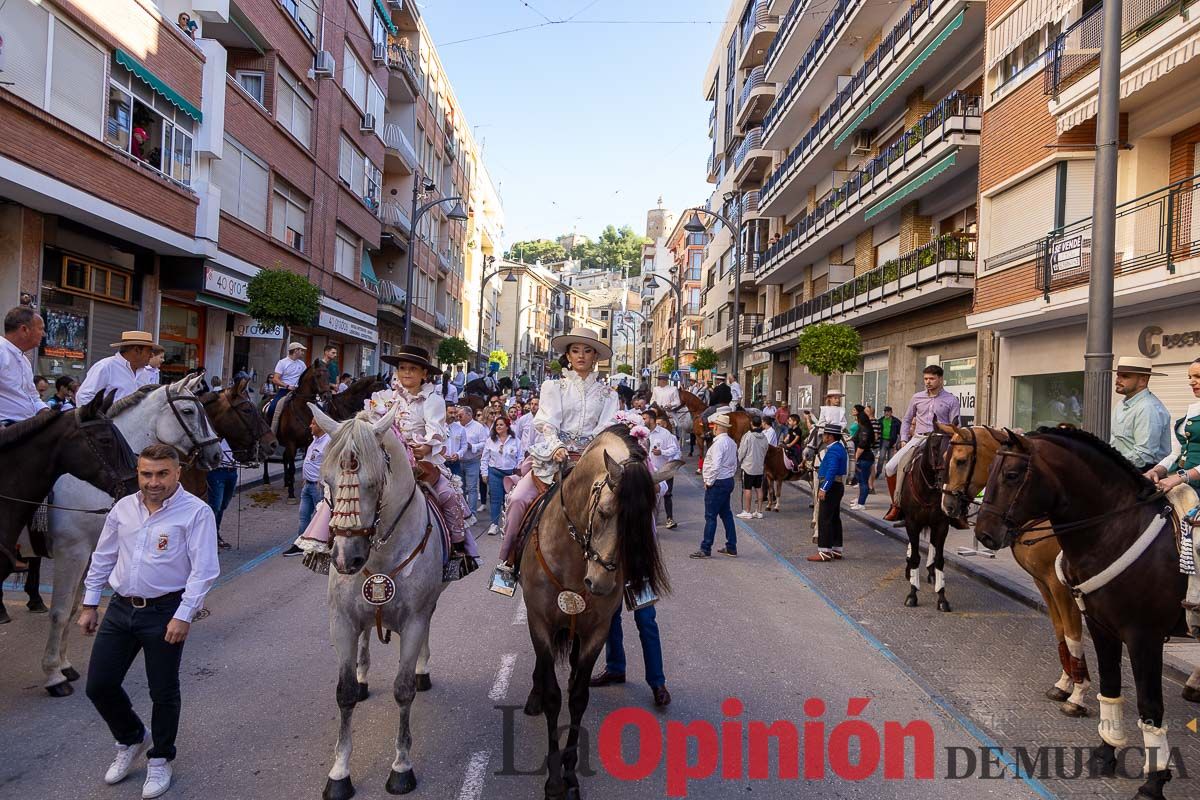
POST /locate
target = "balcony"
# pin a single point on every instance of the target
(758, 29)
(391, 302)
(714, 160)
(394, 215)
(751, 326)
(754, 100)
(451, 144)
(400, 155)
(691, 309)
(942, 269)
(750, 160)
(941, 148)
(911, 55)
(403, 85)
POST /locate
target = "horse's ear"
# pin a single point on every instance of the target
(94, 407)
(388, 420)
(613, 466)
(193, 383)
(238, 388)
(1014, 440)
(106, 400)
(324, 421)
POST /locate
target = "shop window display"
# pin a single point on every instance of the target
(1047, 400)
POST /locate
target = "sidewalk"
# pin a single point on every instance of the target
(999, 570)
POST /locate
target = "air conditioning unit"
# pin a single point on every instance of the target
(368, 122)
(323, 65)
(379, 52)
(862, 144)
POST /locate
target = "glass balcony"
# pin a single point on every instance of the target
(758, 28)
(752, 325)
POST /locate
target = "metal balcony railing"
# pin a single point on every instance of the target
(393, 213)
(712, 157)
(786, 25)
(691, 309)
(750, 203)
(752, 325)
(1076, 51)
(753, 141)
(755, 79)
(756, 18)
(941, 258)
(956, 106)
(712, 117)
(391, 293)
(401, 58)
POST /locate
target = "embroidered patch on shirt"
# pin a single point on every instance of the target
(163, 541)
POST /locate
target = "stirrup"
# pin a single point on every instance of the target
(503, 581)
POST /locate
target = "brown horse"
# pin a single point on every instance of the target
(776, 473)
(345, 405)
(593, 539)
(292, 427)
(239, 422)
(1118, 552)
(921, 502)
(969, 458)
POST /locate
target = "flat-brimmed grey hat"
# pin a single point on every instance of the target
(563, 342)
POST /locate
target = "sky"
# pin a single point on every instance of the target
(583, 123)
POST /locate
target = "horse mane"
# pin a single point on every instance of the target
(1099, 445)
(357, 436)
(637, 494)
(18, 432)
(130, 400)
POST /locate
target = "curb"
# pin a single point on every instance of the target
(1177, 668)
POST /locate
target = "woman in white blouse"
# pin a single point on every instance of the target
(573, 411)
(501, 454)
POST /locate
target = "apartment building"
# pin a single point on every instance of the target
(1036, 181)
(846, 137)
(535, 306)
(670, 324)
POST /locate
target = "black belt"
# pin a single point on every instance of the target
(142, 602)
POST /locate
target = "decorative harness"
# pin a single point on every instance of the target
(198, 445)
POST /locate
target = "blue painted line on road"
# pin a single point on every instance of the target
(937, 697)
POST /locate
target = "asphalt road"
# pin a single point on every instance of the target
(259, 715)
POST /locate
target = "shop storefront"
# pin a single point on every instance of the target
(181, 332)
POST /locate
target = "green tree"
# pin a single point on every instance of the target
(826, 348)
(619, 247)
(534, 250)
(706, 359)
(625, 368)
(668, 364)
(453, 350)
(278, 297)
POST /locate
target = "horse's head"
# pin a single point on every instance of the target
(968, 458)
(1013, 496)
(239, 422)
(96, 451)
(178, 419)
(315, 383)
(364, 467)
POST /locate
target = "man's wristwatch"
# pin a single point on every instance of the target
(1183, 475)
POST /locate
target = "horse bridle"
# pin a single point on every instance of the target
(973, 446)
(119, 477)
(197, 444)
(254, 438)
(371, 530)
(584, 540)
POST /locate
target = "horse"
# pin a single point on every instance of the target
(1122, 567)
(83, 443)
(594, 539)
(921, 502)
(170, 414)
(694, 407)
(811, 457)
(239, 422)
(385, 548)
(344, 405)
(968, 459)
(291, 427)
(776, 472)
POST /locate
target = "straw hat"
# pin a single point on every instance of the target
(296, 346)
(587, 336)
(720, 419)
(1136, 365)
(411, 354)
(134, 339)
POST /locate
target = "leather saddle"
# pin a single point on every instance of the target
(532, 517)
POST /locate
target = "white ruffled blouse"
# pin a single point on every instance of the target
(421, 419)
(573, 411)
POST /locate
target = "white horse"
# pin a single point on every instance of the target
(169, 414)
(386, 544)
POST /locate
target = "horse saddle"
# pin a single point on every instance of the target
(532, 517)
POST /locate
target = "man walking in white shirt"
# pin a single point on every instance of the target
(120, 371)
(720, 464)
(474, 437)
(19, 399)
(735, 389)
(663, 448)
(158, 552)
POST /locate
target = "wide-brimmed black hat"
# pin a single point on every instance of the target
(411, 354)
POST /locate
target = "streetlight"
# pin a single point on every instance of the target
(694, 225)
(421, 189)
(651, 282)
(509, 278)
(637, 331)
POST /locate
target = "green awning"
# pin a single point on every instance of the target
(221, 302)
(910, 187)
(387, 18)
(950, 28)
(368, 271)
(157, 84)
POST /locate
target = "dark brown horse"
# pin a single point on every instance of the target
(1118, 552)
(921, 502)
(345, 405)
(292, 427)
(593, 538)
(970, 456)
(240, 423)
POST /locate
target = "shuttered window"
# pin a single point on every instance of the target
(1173, 389)
(1080, 186)
(1021, 214)
(375, 104)
(354, 78)
(243, 182)
(77, 81)
(293, 106)
(26, 30)
(289, 215)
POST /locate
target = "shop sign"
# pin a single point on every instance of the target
(66, 334)
(347, 327)
(226, 285)
(1152, 340)
(253, 329)
(965, 392)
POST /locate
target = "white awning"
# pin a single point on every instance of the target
(1019, 24)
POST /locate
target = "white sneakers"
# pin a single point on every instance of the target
(856, 507)
(158, 778)
(122, 765)
(758, 515)
(493, 530)
(158, 770)
(745, 515)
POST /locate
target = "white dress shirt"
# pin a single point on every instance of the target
(290, 370)
(771, 434)
(105, 375)
(832, 415)
(421, 419)
(665, 397)
(720, 459)
(314, 457)
(668, 447)
(455, 439)
(501, 454)
(149, 376)
(459, 379)
(451, 392)
(572, 411)
(475, 435)
(18, 396)
(148, 555)
(735, 389)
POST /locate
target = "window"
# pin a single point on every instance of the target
(293, 106)
(47, 63)
(181, 333)
(345, 253)
(354, 78)
(253, 81)
(289, 210)
(148, 127)
(242, 179)
(698, 238)
(87, 278)
(304, 12)
(359, 173)
(1047, 400)
(375, 105)
(695, 262)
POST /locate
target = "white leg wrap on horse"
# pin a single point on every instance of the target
(1074, 647)
(1079, 693)
(1112, 729)
(915, 579)
(1063, 684)
(908, 550)
(1158, 752)
(939, 580)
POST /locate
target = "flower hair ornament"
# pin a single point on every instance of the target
(634, 420)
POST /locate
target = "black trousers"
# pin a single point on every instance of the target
(124, 631)
(667, 504)
(829, 517)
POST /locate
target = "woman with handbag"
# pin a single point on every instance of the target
(501, 454)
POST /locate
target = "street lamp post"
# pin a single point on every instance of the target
(637, 331)
(652, 283)
(487, 276)
(422, 188)
(694, 225)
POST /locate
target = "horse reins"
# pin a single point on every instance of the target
(585, 540)
(197, 444)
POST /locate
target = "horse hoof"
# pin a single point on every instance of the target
(1153, 787)
(70, 673)
(1104, 761)
(533, 706)
(363, 692)
(338, 790)
(943, 605)
(1191, 694)
(401, 782)
(37, 606)
(1057, 695)
(1073, 710)
(910, 601)
(63, 689)
(424, 683)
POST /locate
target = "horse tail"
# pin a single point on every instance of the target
(639, 547)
